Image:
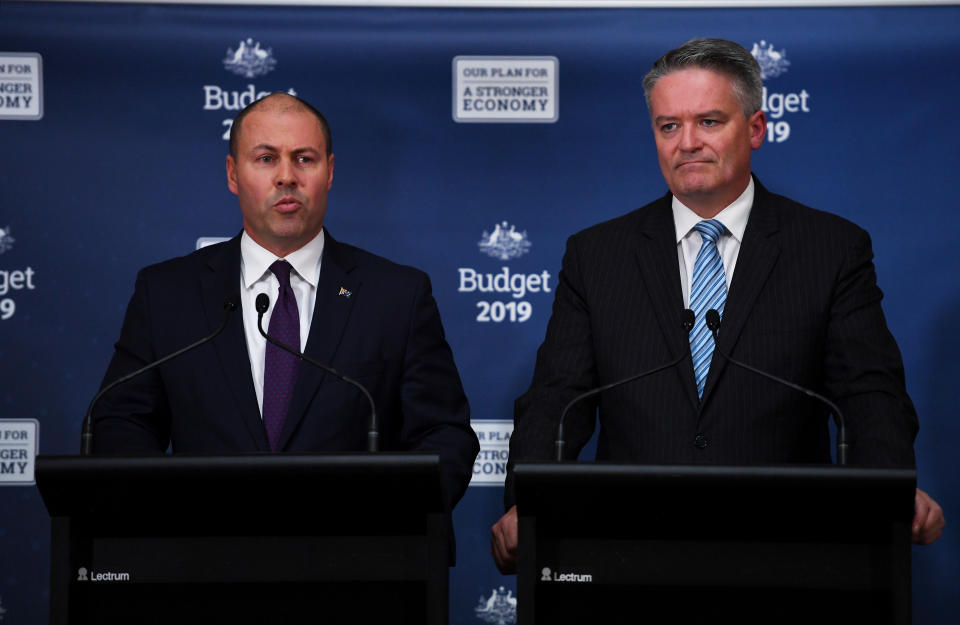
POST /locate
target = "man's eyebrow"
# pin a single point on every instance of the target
(266, 147)
(659, 119)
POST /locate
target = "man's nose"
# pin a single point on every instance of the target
(690, 138)
(285, 176)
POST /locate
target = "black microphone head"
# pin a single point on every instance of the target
(232, 302)
(713, 320)
(689, 319)
(263, 303)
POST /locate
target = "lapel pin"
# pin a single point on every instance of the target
(344, 292)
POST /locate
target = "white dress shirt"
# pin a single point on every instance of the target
(256, 278)
(734, 217)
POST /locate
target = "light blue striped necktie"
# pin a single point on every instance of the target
(709, 290)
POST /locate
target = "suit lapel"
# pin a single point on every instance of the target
(222, 281)
(759, 252)
(657, 256)
(337, 290)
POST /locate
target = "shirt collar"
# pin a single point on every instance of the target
(734, 216)
(255, 260)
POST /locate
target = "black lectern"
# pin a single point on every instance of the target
(694, 544)
(247, 539)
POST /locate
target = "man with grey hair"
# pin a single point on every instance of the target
(716, 55)
(795, 289)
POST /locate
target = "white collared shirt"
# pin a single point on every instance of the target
(734, 217)
(256, 278)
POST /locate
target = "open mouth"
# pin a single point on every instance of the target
(287, 205)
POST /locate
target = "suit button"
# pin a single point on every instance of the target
(700, 441)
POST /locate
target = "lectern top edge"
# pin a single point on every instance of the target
(821, 473)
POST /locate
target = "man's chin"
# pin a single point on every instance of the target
(694, 187)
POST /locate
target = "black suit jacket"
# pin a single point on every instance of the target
(387, 335)
(803, 304)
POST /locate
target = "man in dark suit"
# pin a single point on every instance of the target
(369, 318)
(795, 288)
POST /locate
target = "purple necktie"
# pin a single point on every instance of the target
(280, 368)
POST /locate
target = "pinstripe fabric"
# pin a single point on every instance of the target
(708, 291)
(803, 303)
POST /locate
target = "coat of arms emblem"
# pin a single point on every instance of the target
(6, 241)
(772, 62)
(249, 59)
(500, 608)
(504, 242)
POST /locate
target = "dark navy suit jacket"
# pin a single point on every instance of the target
(803, 304)
(387, 335)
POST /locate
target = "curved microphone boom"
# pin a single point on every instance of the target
(373, 434)
(559, 444)
(86, 437)
(713, 322)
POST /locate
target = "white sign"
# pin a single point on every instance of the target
(506, 89)
(21, 85)
(19, 441)
(490, 467)
(203, 242)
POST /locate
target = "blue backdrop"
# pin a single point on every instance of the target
(126, 168)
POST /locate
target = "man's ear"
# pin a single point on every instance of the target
(758, 129)
(232, 174)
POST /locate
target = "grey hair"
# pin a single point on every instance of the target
(717, 55)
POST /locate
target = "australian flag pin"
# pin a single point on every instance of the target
(344, 292)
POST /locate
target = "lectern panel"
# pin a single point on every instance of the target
(625, 543)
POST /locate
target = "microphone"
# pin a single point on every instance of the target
(373, 434)
(86, 437)
(713, 322)
(687, 321)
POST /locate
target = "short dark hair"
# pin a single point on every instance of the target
(297, 105)
(717, 55)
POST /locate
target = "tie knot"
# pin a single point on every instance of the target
(281, 269)
(710, 230)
